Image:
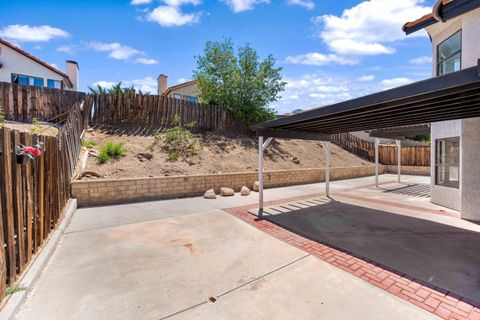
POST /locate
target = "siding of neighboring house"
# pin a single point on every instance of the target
(186, 90)
(17, 63)
(468, 129)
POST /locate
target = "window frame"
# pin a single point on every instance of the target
(17, 76)
(54, 81)
(438, 62)
(438, 163)
(177, 96)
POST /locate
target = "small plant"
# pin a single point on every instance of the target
(2, 118)
(111, 150)
(37, 128)
(88, 143)
(14, 289)
(178, 140)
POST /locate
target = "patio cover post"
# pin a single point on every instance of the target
(261, 147)
(260, 177)
(327, 167)
(399, 158)
(377, 142)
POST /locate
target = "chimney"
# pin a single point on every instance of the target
(72, 73)
(162, 84)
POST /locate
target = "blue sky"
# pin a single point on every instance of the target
(330, 50)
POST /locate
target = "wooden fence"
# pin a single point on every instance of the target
(159, 112)
(411, 156)
(387, 154)
(23, 103)
(33, 195)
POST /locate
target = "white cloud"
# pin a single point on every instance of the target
(68, 49)
(115, 50)
(421, 60)
(244, 5)
(178, 3)
(137, 2)
(318, 59)
(369, 27)
(32, 33)
(146, 61)
(395, 82)
(168, 16)
(147, 84)
(307, 4)
(54, 65)
(370, 77)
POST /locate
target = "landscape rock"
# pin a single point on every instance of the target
(209, 194)
(296, 160)
(144, 157)
(227, 192)
(256, 186)
(245, 191)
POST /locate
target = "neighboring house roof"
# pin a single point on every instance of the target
(180, 85)
(43, 63)
(442, 11)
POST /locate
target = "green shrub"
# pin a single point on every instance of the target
(37, 128)
(2, 118)
(15, 288)
(88, 143)
(111, 150)
(178, 141)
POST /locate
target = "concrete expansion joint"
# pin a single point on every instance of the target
(213, 299)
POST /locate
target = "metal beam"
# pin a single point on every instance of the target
(377, 142)
(260, 178)
(399, 158)
(454, 82)
(266, 143)
(326, 146)
(290, 134)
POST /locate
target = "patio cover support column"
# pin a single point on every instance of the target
(399, 158)
(261, 147)
(377, 142)
(326, 146)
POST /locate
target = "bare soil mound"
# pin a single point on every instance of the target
(219, 154)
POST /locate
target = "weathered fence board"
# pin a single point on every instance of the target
(160, 111)
(387, 154)
(23, 103)
(33, 195)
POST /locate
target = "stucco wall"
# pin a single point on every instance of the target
(98, 192)
(14, 62)
(463, 198)
(470, 162)
(189, 90)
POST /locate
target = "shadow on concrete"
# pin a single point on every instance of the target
(438, 255)
(414, 190)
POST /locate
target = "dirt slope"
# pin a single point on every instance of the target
(220, 154)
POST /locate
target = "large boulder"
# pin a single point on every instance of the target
(256, 186)
(209, 194)
(227, 192)
(245, 191)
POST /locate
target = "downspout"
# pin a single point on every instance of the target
(437, 11)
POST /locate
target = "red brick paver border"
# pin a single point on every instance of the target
(434, 300)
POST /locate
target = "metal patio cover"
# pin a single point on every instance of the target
(449, 97)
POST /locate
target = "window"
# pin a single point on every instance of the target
(447, 159)
(177, 96)
(192, 99)
(27, 80)
(55, 84)
(449, 54)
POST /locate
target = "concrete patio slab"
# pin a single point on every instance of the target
(308, 289)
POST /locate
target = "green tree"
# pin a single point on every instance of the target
(241, 82)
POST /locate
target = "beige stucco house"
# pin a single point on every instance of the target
(454, 30)
(19, 66)
(184, 91)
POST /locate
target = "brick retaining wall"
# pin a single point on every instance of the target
(103, 191)
(413, 170)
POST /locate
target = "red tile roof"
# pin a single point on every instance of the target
(28, 55)
(426, 18)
